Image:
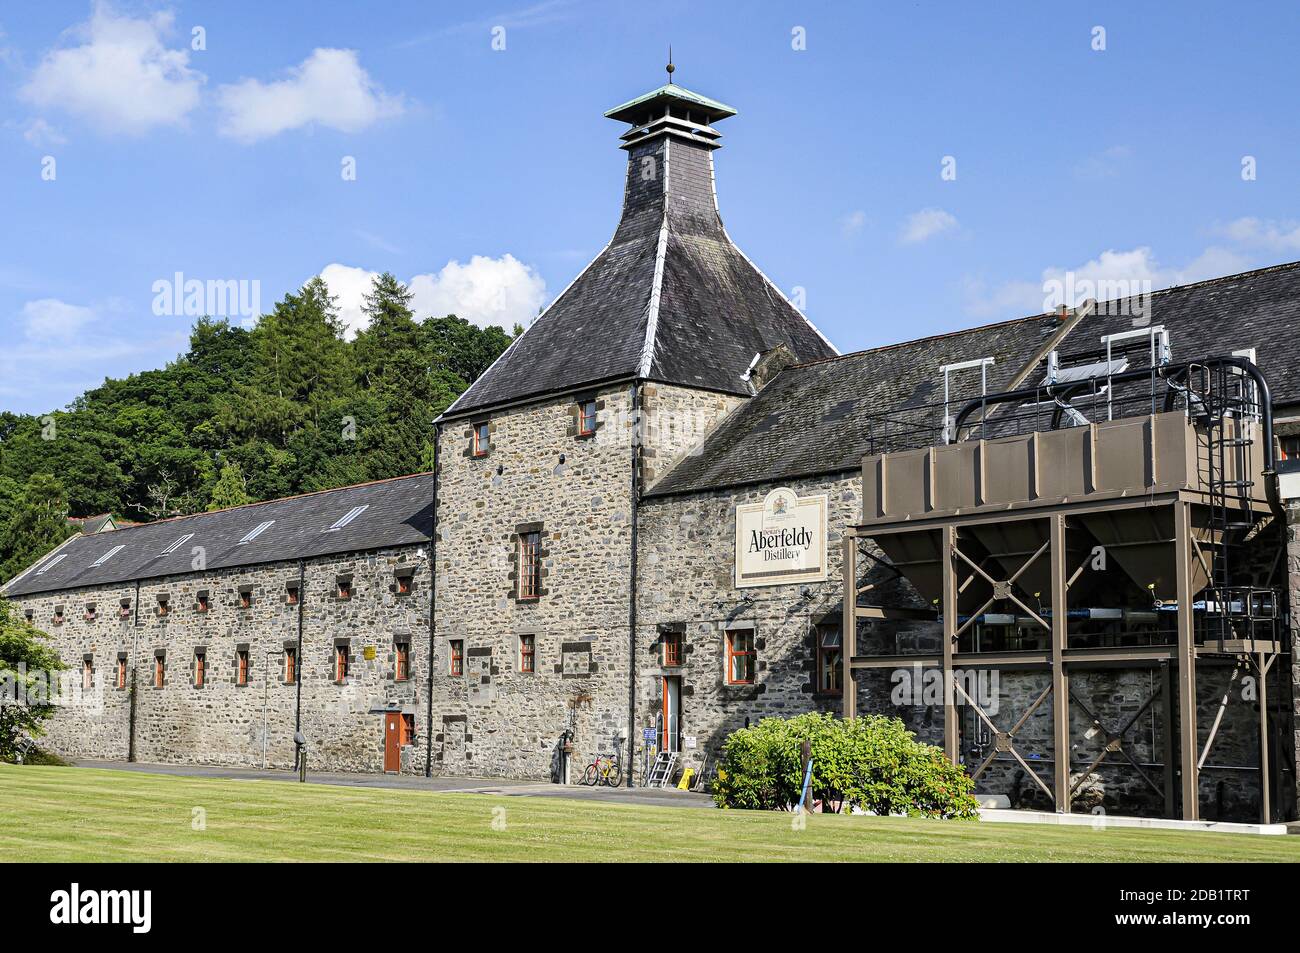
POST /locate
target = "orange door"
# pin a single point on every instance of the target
(392, 743)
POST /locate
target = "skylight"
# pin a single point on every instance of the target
(52, 563)
(348, 517)
(257, 531)
(177, 545)
(108, 555)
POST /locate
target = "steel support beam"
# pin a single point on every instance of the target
(951, 740)
(1167, 738)
(1060, 680)
(849, 625)
(1186, 661)
(1265, 806)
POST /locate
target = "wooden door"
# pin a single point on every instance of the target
(392, 742)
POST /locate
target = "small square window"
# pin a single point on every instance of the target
(202, 602)
(344, 588)
(740, 657)
(58, 615)
(90, 612)
(291, 594)
(29, 614)
(402, 661)
(527, 654)
(246, 599)
(164, 606)
(482, 439)
(124, 610)
(586, 418)
(672, 646)
(456, 665)
(403, 583)
(830, 668)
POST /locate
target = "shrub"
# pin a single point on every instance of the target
(872, 762)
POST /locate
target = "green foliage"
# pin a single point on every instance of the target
(26, 662)
(38, 522)
(872, 762)
(244, 415)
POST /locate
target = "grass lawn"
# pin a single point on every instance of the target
(75, 814)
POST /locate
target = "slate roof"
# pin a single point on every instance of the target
(823, 417)
(670, 299)
(397, 513)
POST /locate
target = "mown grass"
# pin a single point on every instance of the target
(62, 814)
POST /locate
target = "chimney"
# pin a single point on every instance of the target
(767, 364)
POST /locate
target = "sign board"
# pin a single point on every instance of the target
(689, 741)
(369, 653)
(781, 541)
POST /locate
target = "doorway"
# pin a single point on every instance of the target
(392, 743)
(671, 716)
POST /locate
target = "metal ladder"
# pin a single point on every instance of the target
(662, 769)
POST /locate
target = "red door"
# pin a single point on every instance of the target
(392, 742)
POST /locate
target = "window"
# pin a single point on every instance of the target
(740, 657)
(404, 582)
(672, 642)
(29, 614)
(180, 541)
(482, 439)
(829, 659)
(1290, 449)
(402, 668)
(90, 612)
(108, 555)
(203, 603)
(291, 594)
(124, 610)
(586, 418)
(245, 598)
(530, 565)
(159, 670)
(457, 663)
(527, 652)
(406, 735)
(88, 672)
(341, 663)
(121, 671)
(344, 584)
(200, 667)
(51, 564)
(347, 518)
(290, 664)
(241, 667)
(164, 605)
(255, 532)
(58, 615)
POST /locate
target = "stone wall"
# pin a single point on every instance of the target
(224, 722)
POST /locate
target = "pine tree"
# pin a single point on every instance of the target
(229, 490)
(38, 524)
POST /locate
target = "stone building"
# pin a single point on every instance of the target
(584, 590)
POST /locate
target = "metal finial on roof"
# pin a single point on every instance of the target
(671, 68)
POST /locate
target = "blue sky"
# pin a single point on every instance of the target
(489, 177)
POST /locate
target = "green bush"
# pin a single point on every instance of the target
(872, 762)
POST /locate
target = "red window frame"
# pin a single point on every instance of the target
(406, 729)
(403, 585)
(344, 588)
(340, 664)
(200, 668)
(290, 665)
(530, 565)
(203, 605)
(246, 600)
(527, 654)
(456, 664)
(741, 657)
(159, 671)
(164, 607)
(482, 439)
(125, 611)
(87, 673)
(241, 662)
(586, 418)
(402, 667)
(121, 673)
(58, 615)
(291, 595)
(672, 649)
(830, 660)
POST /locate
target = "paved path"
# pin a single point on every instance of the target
(500, 787)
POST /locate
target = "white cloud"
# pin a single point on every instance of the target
(328, 88)
(925, 224)
(852, 223)
(40, 133)
(1105, 164)
(500, 291)
(1268, 233)
(122, 78)
(49, 319)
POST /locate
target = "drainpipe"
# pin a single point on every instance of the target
(135, 655)
(297, 661)
(433, 586)
(637, 423)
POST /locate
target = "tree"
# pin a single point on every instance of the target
(28, 670)
(229, 489)
(39, 523)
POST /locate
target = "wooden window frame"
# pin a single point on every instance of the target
(200, 668)
(586, 429)
(456, 657)
(401, 661)
(733, 654)
(159, 671)
(530, 566)
(164, 607)
(58, 615)
(290, 664)
(480, 438)
(243, 662)
(823, 655)
(87, 673)
(527, 654)
(402, 584)
(291, 594)
(343, 588)
(673, 649)
(245, 598)
(203, 603)
(406, 729)
(124, 611)
(121, 673)
(341, 665)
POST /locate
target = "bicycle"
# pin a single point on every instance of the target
(604, 770)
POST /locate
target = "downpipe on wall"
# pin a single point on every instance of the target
(433, 602)
(637, 424)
